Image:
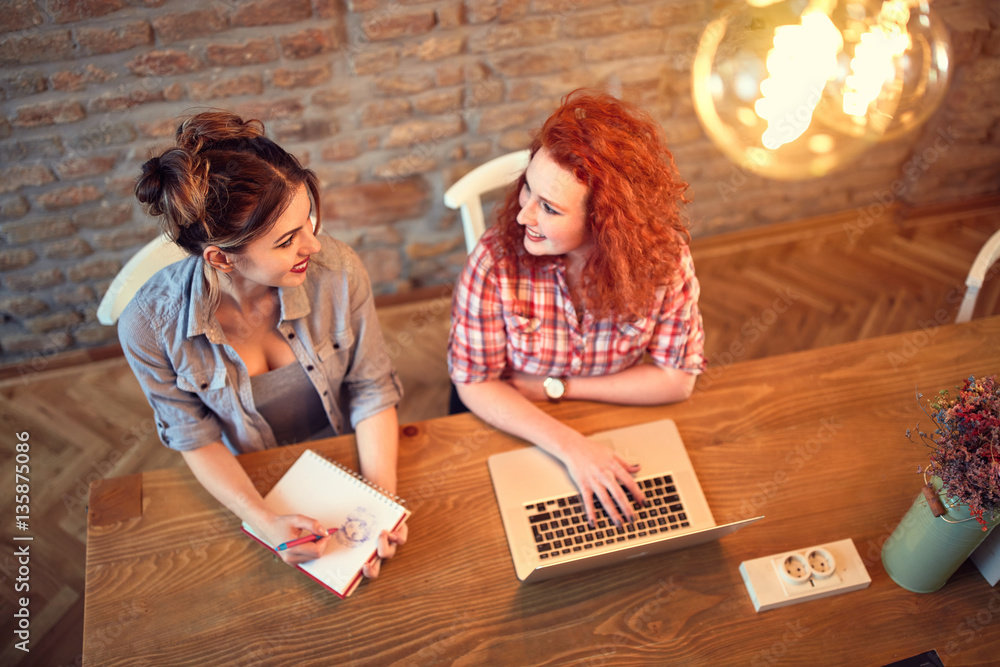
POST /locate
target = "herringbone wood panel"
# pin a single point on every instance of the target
(764, 292)
(826, 281)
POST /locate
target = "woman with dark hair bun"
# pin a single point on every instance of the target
(267, 334)
(586, 273)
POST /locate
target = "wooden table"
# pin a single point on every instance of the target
(813, 440)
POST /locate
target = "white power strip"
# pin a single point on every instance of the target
(796, 576)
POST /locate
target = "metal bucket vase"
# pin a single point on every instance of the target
(925, 550)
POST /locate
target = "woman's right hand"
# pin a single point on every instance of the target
(288, 527)
(221, 474)
(598, 470)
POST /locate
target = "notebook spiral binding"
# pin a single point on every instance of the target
(367, 482)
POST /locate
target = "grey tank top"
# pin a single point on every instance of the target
(288, 401)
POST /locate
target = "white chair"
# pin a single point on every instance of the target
(988, 254)
(152, 257)
(466, 193)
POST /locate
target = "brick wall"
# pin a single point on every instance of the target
(390, 101)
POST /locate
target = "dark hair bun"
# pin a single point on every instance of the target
(174, 186)
(205, 131)
(223, 183)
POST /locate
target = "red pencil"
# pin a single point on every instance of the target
(303, 540)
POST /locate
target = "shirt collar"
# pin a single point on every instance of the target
(201, 320)
(294, 302)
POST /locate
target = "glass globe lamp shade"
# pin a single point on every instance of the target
(923, 72)
(796, 89)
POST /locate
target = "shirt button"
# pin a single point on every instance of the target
(204, 385)
(309, 367)
(291, 335)
(336, 346)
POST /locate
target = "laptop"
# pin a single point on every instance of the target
(543, 517)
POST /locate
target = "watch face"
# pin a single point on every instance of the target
(554, 388)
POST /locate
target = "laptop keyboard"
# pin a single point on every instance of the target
(560, 525)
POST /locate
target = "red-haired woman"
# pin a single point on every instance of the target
(586, 271)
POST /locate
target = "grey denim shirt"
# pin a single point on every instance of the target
(199, 387)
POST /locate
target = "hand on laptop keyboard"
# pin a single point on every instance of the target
(559, 529)
(598, 470)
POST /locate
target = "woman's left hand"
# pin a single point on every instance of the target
(387, 545)
(529, 386)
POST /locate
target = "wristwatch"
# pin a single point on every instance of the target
(555, 388)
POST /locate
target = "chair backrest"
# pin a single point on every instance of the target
(986, 257)
(466, 193)
(152, 257)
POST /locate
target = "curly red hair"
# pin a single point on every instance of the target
(619, 152)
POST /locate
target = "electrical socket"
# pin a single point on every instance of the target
(796, 576)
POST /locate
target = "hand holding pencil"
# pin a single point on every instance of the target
(294, 547)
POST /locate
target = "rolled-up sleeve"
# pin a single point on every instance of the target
(477, 342)
(183, 422)
(679, 336)
(373, 384)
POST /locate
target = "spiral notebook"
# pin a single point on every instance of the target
(341, 499)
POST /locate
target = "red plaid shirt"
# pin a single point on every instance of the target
(524, 320)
